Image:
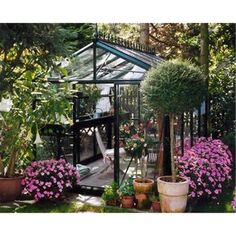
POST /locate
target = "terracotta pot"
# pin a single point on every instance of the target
(156, 206)
(143, 185)
(127, 201)
(173, 195)
(10, 188)
(142, 200)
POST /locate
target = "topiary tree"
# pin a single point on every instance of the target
(171, 88)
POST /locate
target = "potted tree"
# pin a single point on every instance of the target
(172, 88)
(110, 194)
(127, 193)
(135, 146)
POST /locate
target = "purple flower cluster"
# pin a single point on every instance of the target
(208, 166)
(49, 179)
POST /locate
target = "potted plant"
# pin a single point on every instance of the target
(172, 88)
(135, 145)
(127, 193)
(155, 201)
(110, 194)
(19, 131)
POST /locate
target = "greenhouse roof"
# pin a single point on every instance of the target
(108, 59)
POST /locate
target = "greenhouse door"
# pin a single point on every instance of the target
(127, 105)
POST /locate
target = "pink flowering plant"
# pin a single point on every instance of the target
(49, 179)
(135, 141)
(208, 165)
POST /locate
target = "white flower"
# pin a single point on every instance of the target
(38, 139)
(6, 105)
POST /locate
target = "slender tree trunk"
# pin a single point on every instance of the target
(144, 34)
(172, 147)
(204, 61)
(160, 122)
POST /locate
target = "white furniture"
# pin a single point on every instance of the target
(108, 154)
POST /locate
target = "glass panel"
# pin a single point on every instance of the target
(82, 65)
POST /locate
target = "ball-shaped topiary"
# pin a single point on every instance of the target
(174, 87)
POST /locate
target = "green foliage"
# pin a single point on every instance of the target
(28, 48)
(111, 192)
(127, 188)
(174, 87)
(19, 126)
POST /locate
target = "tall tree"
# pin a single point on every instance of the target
(144, 34)
(204, 61)
(26, 48)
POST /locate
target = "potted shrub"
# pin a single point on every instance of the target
(110, 194)
(135, 145)
(172, 88)
(127, 193)
(154, 198)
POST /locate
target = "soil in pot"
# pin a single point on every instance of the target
(10, 188)
(127, 201)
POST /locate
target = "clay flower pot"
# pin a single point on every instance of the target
(143, 185)
(173, 195)
(156, 206)
(10, 188)
(127, 201)
(142, 201)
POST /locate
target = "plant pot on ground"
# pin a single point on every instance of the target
(172, 88)
(10, 188)
(110, 195)
(155, 202)
(127, 193)
(142, 187)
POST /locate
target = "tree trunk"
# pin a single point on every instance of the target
(144, 34)
(172, 147)
(204, 61)
(160, 122)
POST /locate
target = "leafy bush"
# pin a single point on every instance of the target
(127, 188)
(208, 165)
(49, 179)
(111, 192)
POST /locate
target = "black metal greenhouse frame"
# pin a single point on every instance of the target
(140, 56)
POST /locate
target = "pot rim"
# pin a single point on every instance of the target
(173, 183)
(12, 178)
(137, 179)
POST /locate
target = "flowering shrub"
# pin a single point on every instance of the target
(208, 165)
(135, 142)
(49, 179)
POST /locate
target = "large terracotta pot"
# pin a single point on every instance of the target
(10, 188)
(173, 195)
(127, 201)
(143, 185)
